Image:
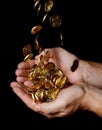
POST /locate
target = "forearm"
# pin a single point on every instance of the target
(92, 100)
(92, 73)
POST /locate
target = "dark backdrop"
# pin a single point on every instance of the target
(82, 36)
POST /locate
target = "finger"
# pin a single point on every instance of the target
(21, 79)
(26, 65)
(25, 97)
(32, 62)
(28, 83)
(21, 73)
(23, 65)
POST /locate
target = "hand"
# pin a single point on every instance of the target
(67, 102)
(71, 98)
(62, 59)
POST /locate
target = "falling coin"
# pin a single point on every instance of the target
(55, 21)
(44, 18)
(48, 5)
(39, 8)
(27, 49)
(61, 38)
(36, 29)
(28, 57)
(36, 2)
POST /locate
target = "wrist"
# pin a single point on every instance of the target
(92, 73)
(92, 100)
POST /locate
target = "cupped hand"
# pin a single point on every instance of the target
(67, 102)
(62, 59)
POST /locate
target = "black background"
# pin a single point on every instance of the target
(83, 37)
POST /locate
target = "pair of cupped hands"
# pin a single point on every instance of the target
(70, 98)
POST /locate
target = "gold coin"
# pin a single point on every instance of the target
(32, 94)
(59, 72)
(47, 56)
(48, 5)
(50, 73)
(48, 85)
(28, 57)
(61, 38)
(39, 8)
(63, 82)
(49, 66)
(36, 97)
(36, 2)
(54, 74)
(31, 76)
(40, 95)
(27, 49)
(44, 73)
(33, 68)
(36, 44)
(37, 86)
(44, 18)
(37, 71)
(54, 93)
(36, 29)
(55, 21)
(57, 81)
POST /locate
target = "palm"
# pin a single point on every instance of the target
(64, 60)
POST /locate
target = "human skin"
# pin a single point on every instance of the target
(68, 101)
(84, 93)
(87, 72)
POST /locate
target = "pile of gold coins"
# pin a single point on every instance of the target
(47, 80)
(46, 77)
